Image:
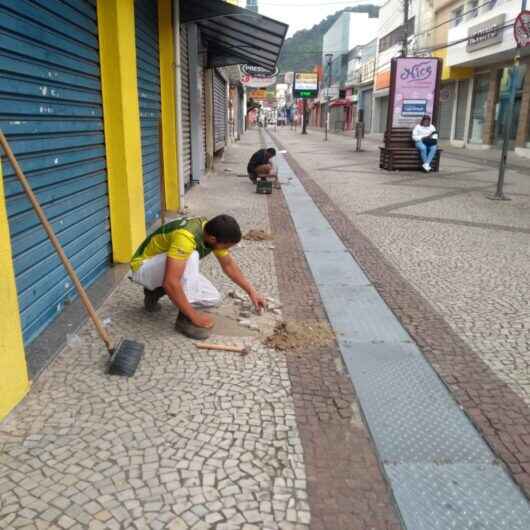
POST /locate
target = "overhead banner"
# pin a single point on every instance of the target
(414, 90)
(257, 95)
(305, 85)
(262, 95)
(257, 77)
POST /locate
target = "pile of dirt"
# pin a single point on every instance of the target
(258, 235)
(296, 335)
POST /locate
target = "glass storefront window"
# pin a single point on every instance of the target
(501, 110)
(478, 108)
(461, 109)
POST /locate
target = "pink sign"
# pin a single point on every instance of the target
(414, 91)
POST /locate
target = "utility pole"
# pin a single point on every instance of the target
(329, 62)
(514, 78)
(304, 116)
(404, 50)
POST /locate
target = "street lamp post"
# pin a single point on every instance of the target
(329, 61)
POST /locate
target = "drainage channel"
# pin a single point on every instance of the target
(442, 473)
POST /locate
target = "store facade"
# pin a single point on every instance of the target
(488, 48)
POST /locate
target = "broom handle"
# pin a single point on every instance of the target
(55, 242)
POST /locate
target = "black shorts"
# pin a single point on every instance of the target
(252, 174)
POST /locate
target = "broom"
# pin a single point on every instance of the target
(125, 354)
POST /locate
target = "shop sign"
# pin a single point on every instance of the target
(521, 29)
(257, 76)
(331, 92)
(258, 95)
(367, 71)
(414, 90)
(305, 85)
(486, 34)
(382, 80)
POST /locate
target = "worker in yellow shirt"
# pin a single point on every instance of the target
(167, 262)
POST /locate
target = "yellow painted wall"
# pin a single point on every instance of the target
(167, 88)
(443, 13)
(452, 73)
(13, 371)
(117, 48)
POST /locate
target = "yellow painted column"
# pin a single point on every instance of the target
(170, 145)
(13, 371)
(117, 49)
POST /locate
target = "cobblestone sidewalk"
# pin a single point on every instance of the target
(452, 265)
(196, 440)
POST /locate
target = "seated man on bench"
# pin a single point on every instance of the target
(259, 165)
(425, 137)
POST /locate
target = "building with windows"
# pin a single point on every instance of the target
(341, 42)
(361, 69)
(477, 44)
(252, 5)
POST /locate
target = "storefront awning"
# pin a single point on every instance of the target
(340, 103)
(234, 35)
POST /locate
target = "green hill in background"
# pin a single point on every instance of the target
(303, 50)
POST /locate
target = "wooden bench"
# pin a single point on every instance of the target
(400, 153)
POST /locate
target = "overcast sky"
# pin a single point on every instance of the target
(301, 14)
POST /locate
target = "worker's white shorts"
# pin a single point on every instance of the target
(198, 290)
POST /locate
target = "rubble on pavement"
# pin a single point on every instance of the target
(258, 235)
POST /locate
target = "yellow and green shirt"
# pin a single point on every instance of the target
(178, 239)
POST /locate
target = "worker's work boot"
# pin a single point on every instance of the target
(185, 326)
(151, 299)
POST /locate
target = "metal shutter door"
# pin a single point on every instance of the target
(203, 116)
(51, 111)
(148, 71)
(241, 123)
(185, 97)
(461, 108)
(446, 111)
(219, 110)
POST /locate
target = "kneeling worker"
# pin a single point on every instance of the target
(167, 262)
(259, 165)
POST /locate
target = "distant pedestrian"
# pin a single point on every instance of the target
(260, 166)
(426, 139)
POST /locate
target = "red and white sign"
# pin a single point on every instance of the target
(521, 29)
(256, 76)
(257, 82)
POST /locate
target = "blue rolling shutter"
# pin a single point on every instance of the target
(51, 112)
(220, 103)
(147, 61)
